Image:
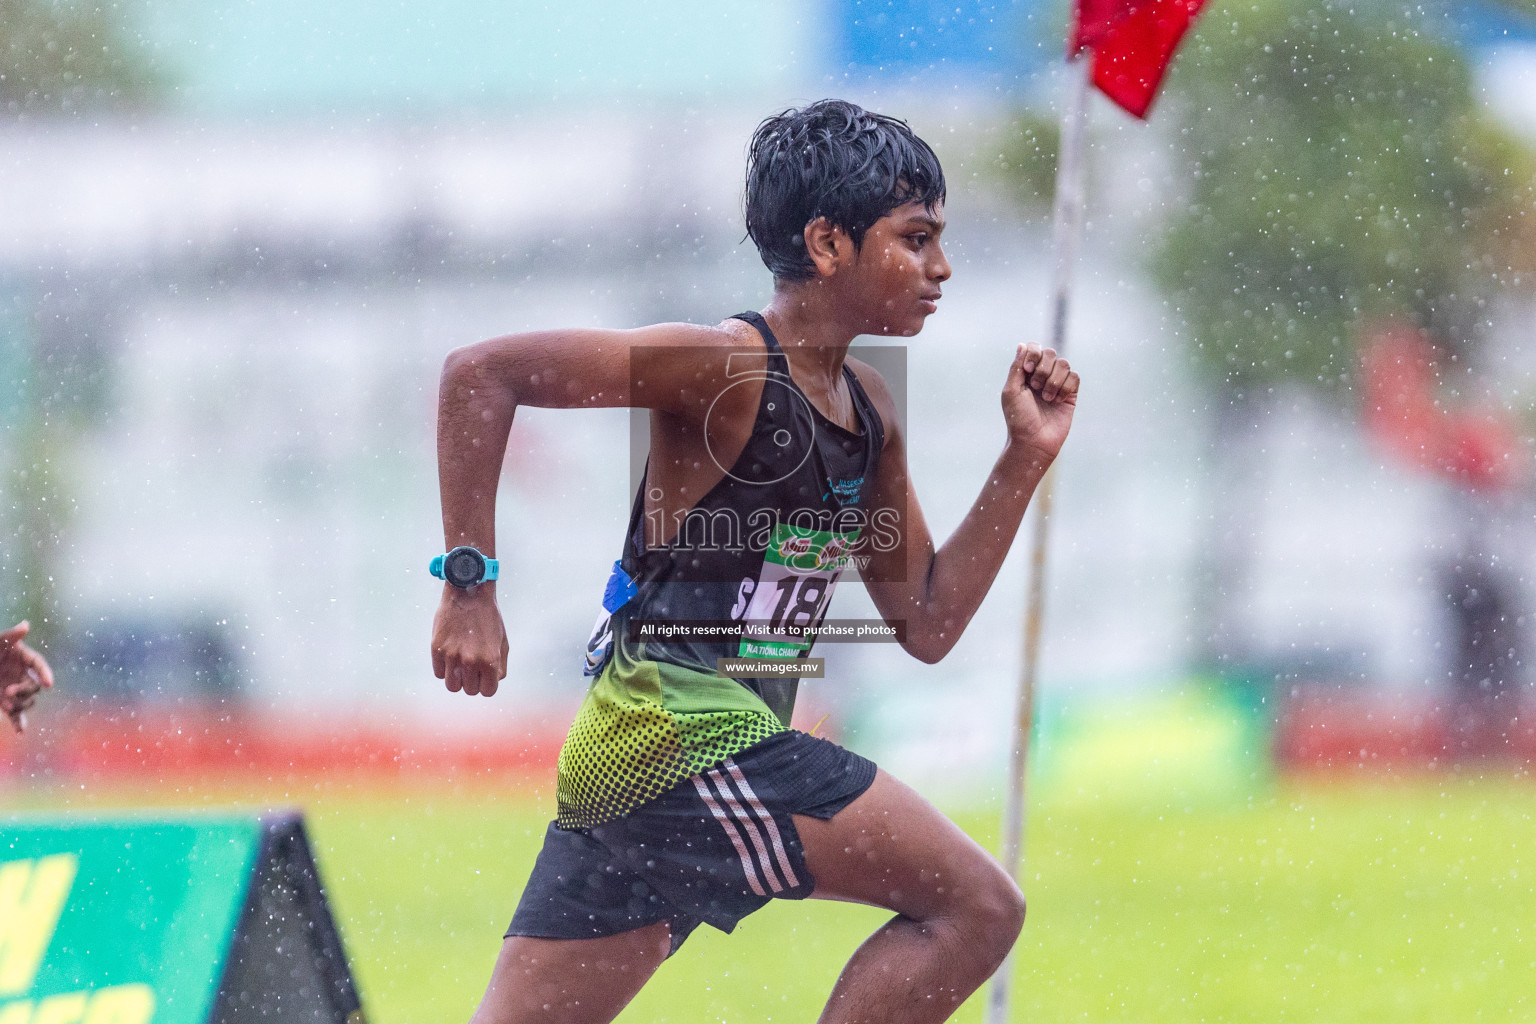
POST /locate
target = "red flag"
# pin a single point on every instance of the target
(1132, 42)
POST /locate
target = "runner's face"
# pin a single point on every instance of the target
(899, 269)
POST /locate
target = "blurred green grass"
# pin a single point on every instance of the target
(1358, 900)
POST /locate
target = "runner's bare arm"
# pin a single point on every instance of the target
(937, 592)
(678, 368)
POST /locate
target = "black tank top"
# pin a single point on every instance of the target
(755, 561)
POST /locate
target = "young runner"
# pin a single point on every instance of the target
(683, 796)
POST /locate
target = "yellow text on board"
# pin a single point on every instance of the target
(32, 895)
(120, 1004)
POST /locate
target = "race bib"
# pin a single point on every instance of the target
(800, 571)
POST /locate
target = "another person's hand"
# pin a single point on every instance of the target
(469, 641)
(23, 674)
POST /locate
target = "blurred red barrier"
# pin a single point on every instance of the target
(1325, 729)
(185, 742)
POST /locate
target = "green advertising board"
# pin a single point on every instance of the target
(195, 920)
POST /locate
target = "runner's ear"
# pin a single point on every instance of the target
(828, 247)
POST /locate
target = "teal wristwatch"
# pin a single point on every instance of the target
(465, 568)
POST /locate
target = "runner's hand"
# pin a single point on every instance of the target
(23, 674)
(469, 641)
(1039, 398)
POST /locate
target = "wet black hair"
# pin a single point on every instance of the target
(836, 160)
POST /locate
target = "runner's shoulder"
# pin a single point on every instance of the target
(687, 368)
(726, 334)
(699, 350)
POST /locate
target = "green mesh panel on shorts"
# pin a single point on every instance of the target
(627, 747)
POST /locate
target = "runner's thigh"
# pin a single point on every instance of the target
(891, 848)
(571, 981)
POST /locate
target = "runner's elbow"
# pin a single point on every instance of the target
(467, 370)
(932, 634)
(458, 370)
(929, 650)
(464, 364)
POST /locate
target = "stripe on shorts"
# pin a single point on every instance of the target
(744, 819)
(768, 823)
(730, 830)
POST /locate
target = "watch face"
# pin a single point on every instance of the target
(464, 567)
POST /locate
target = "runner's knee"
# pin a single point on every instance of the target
(989, 911)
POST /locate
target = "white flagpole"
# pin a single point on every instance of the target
(1067, 231)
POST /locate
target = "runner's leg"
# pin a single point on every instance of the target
(571, 981)
(957, 912)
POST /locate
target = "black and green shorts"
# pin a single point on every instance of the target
(712, 849)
